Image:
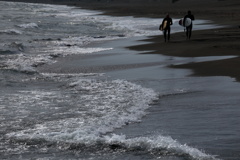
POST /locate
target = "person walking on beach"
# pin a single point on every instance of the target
(167, 29)
(189, 28)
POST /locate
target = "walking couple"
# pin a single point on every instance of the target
(167, 22)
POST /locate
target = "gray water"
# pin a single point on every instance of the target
(68, 113)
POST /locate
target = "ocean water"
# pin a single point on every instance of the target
(47, 115)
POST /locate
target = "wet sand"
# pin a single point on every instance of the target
(217, 42)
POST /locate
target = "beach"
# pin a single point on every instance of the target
(193, 87)
(213, 97)
(216, 42)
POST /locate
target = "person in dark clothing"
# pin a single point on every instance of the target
(189, 28)
(167, 29)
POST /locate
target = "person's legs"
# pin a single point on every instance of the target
(165, 34)
(187, 31)
(190, 33)
(169, 31)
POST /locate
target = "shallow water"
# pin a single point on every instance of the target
(73, 108)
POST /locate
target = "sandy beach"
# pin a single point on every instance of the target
(197, 80)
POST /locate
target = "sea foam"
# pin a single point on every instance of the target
(28, 25)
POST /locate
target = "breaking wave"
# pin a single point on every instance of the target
(28, 25)
(11, 31)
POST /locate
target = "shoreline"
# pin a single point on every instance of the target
(212, 42)
(192, 110)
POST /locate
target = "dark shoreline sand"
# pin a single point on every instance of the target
(217, 42)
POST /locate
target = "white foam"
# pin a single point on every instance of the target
(133, 26)
(76, 13)
(160, 143)
(100, 107)
(11, 31)
(73, 50)
(26, 63)
(62, 76)
(128, 25)
(28, 25)
(84, 40)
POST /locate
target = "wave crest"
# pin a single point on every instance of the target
(28, 25)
